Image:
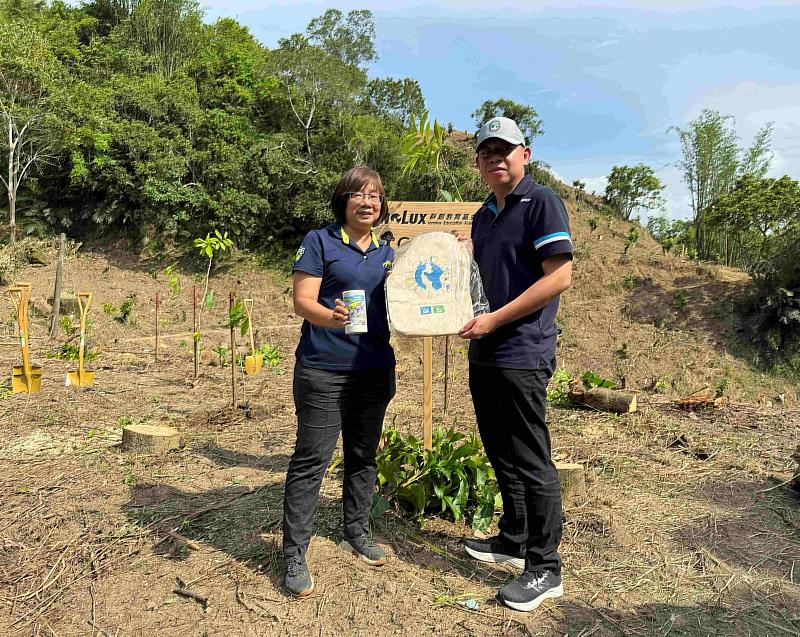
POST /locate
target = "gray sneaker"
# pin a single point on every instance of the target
(296, 577)
(530, 589)
(493, 550)
(366, 549)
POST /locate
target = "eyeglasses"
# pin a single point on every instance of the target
(504, 150)
(359, 197)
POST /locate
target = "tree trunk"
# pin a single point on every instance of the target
(57, 288)
(12, 217)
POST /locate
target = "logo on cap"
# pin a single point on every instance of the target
(494, 126)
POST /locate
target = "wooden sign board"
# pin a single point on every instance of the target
(407, 219)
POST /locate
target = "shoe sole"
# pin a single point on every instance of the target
(495, 558)
(306, 592)
(349, 547)
(525, 607)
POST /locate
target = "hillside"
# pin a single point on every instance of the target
(686, 527)
(645, 315)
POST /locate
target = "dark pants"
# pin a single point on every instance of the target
(510, 409)
(327, 402)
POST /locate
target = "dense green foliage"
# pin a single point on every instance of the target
(525, 116)
(155, 125)
(455, 478)
(712, 164)
(633, 188)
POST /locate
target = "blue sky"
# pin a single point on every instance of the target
(607, 79)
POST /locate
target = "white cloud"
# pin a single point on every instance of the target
(595, 184)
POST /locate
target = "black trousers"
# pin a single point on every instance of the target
(510, 407)
(327, 402)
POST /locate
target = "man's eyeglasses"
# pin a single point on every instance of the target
(503, 150)
(359, 197)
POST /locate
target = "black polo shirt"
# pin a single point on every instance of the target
(330, 254)
(509, 247)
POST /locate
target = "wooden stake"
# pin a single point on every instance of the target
(57, 290)
(233, 355)
(446, 368)
(195, 340)
(427, 392)
(158, 302)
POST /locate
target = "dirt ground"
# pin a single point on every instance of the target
(687, 528)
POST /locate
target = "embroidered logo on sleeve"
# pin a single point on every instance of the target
(299, 254)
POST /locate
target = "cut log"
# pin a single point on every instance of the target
(573, 482)
(150, 439)
(604, 399)
(703, 401)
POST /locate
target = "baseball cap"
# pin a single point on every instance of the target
(502, 128)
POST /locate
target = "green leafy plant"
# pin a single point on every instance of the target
(423, 151)
(209, 247)
(590, 379)
(125, 315)
(454, 478)
(65, 323)
(662, 384)
(631, 238)
(109, 309)
(270, 355)
(681, 301)
(237, 317)
(558, 389)
(629, 282)
(174, 280)
(209, 300)
(222, 352)
(70, 352)
(593, 224)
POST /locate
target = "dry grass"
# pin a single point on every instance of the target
(687, 529)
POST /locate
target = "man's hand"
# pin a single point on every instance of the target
(464, 239)
(482, 325)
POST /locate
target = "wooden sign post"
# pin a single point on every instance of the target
(407, 219)
(427, 392)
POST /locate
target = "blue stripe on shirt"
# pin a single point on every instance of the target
(550, 238)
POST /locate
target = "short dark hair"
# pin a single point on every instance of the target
(353, 181)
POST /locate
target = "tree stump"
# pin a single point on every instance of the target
(68, 304)
(150, 439)
(605, 399)
(573, 482)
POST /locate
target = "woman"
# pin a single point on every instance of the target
(342, 382)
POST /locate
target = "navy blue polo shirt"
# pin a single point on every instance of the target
(509, 247)
(330, 254)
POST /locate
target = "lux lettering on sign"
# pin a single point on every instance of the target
(407, 219)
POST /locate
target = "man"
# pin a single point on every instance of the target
(523, 248)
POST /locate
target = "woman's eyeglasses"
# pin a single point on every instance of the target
(359, 197)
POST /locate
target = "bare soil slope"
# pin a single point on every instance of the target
(686, 530)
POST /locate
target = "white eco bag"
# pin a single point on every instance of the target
(428, 292)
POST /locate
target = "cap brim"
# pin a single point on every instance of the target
(510, 140)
